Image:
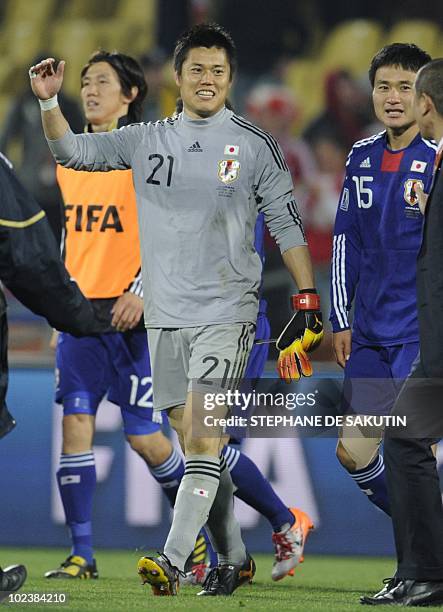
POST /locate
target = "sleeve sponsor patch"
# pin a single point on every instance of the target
(344, 202)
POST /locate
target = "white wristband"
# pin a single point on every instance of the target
(48, 104)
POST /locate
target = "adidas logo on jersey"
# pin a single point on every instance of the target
(366, 163)
(195, 148)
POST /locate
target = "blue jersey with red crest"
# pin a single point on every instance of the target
(377, 236)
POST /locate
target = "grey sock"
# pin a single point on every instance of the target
(195, 497)
(222, 526)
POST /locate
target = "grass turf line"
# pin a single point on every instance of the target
(326, 584)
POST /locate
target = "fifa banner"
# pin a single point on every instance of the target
(130, 510)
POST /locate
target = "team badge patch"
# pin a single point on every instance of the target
(410, 191)
(228, 170)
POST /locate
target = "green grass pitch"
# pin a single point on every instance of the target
(326, 584)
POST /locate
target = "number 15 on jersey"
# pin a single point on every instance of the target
(364, 193)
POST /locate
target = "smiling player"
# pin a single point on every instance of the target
(201, 180)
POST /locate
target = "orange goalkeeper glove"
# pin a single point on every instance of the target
(302, 334)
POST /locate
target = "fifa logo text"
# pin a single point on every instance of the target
(87, 218)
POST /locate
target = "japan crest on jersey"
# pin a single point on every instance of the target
(228, 170)
(410, 191)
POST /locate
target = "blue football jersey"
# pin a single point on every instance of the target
(377, 236)
(259, 245)
(259, 241)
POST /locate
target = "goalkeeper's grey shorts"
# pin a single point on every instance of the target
(204, 359)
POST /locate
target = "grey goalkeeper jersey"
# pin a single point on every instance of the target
(200, 185)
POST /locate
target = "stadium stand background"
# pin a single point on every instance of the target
(302, 57)
(296, 45)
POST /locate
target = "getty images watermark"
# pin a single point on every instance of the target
(258, 413)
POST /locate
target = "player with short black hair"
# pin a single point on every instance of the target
(201, 179)
(205, 35)
(403, 55)
(250, 484)
(411, 467)
(377, 236)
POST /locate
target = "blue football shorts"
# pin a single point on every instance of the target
(259, 353)
(374, 376)
(116, 364)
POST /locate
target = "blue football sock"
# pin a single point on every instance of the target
(169, 474)
(372, 482)
(76, 479)
(255, 490)
(81, 534)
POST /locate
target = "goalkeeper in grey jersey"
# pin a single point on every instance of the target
(200, 179)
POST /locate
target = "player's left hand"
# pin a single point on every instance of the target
(54, 339)
(127, 312)
(422, 197)
(302, 334)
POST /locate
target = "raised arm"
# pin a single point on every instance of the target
(46, 82)
(92, 152)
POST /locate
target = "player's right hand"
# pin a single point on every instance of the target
(46, 81)
(127, 312)
(341, 342)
